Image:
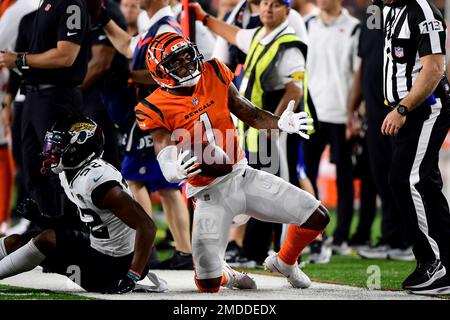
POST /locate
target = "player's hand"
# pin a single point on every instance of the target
(187, 167)
(124, 285)
(200, 14)
(29, 209)
(291, 122)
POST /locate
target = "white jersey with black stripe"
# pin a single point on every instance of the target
(412, 29)
(109, 235)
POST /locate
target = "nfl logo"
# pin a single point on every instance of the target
(48, 7)
(195, 102)
(399, 52)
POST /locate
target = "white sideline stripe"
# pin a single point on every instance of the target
(414, 177)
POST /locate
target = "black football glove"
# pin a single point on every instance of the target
(29, 209)
(124, 285)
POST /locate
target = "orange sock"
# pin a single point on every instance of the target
(297, 239)
(6, 183)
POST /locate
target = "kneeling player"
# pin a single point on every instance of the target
(112, 257)
(196, 94)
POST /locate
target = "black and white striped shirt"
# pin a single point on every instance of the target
(412, 29)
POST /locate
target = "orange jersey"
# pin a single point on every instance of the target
(206, 109)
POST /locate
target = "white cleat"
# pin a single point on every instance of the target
(296, 277)
(237, 280)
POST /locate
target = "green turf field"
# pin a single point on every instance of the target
(350, 270)
(343, 270)
(16, 293)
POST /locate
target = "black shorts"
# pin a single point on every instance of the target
(76, 259)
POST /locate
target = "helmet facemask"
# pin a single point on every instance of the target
(183, 65)
(72, 149)
(53, 152)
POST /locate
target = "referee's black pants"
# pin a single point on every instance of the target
(333, 134)
(416, 181)
(393, 229)
(41, 110)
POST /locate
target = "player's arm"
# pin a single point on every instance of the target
(175, 166)
(133, 215)
(260, 119)
(246, 111)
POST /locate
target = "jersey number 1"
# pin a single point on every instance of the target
(208, 128)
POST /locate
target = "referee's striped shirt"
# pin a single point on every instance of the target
(412, 29)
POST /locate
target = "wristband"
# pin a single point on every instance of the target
(21, 61)
(205, 19)
(133, 275)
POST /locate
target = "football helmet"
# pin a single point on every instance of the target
(71, 143)
(174, 61)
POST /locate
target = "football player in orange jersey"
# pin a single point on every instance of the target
(193, 94)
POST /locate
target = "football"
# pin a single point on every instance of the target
(213, 160)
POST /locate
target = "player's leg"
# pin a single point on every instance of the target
(24, 256)
(270, 198)
(213, 217)
(211, 227)
(177, 216)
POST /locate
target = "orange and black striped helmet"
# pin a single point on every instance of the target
(174, 61)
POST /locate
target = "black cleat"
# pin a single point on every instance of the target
(438, 287)
(425, 274)
(179, 261)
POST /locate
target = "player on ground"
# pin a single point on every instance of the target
(112, 257)
(197, 94)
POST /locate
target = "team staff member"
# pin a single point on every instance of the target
(53, 67)
(417, 90)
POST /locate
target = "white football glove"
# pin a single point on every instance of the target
(187, 169)
(291, 122)
(173, 166)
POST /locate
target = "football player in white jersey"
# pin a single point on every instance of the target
(112, 256)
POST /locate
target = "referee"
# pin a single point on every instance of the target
(52, 68)
(417, 90)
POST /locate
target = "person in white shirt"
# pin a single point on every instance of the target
(245, 15)
(306, 8)
(332, 61)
